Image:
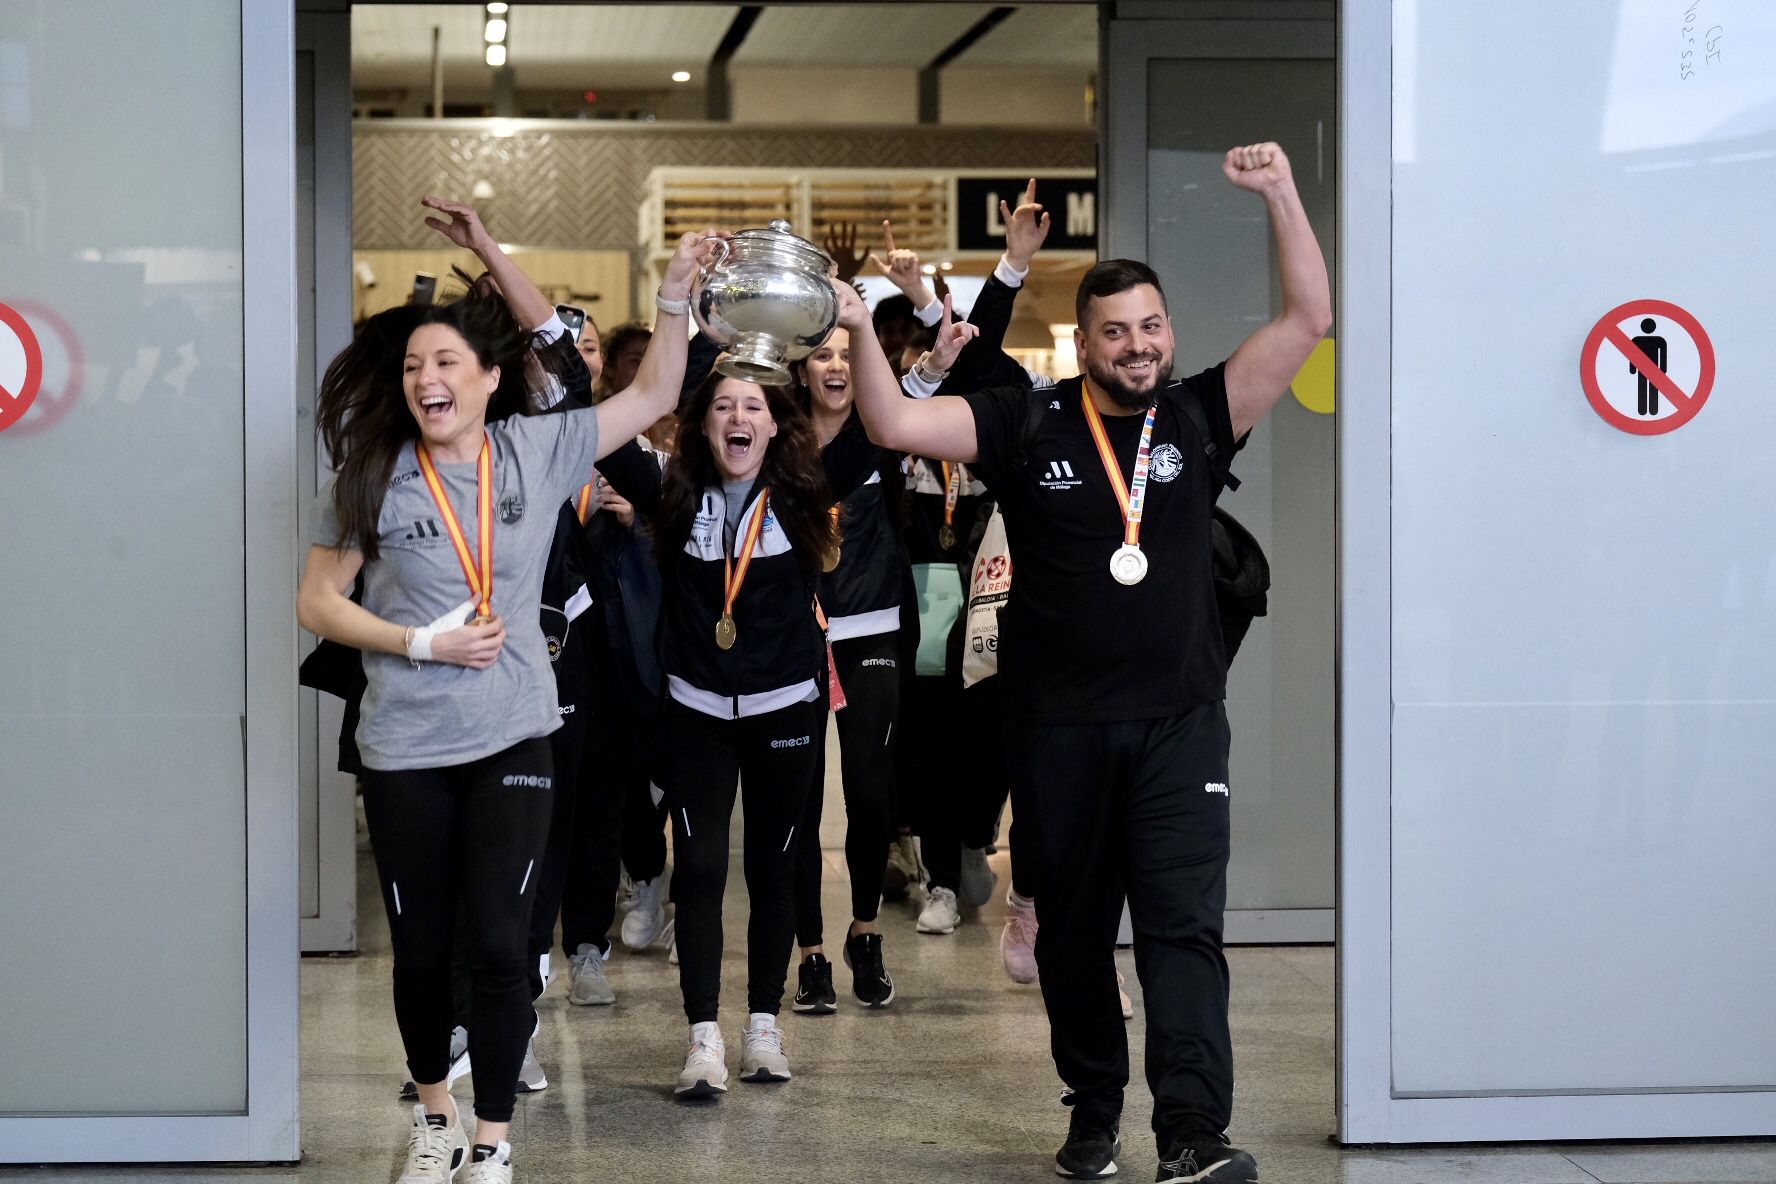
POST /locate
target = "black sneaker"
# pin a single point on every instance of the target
(869, 978)
(1208, 1160)
(1093, 1143)
(814, 987)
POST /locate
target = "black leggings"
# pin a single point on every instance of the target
(951, 759)
(570, 802)
(702, 758)
(614, 799)
(476, 831)
(869, 671)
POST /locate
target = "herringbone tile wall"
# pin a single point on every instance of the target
(582, 189)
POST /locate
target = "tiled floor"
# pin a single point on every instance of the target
(951, 1083)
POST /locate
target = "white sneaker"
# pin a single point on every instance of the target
(978, 879)
(495, 1169)
(706, 1071)
(587, 986)
(941, 914)
(545, 973)
(672, 952)
(435, 1148)
(646, 918)
(761, 1051)
(459, 1056)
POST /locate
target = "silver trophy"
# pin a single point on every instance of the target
(767, 302)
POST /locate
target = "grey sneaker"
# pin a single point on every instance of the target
(978, 880)
(495, 1169)
(531, 1077)
(587, 986)
(904, 870)
(761, 1052)
(436, 1148)
(645, 920)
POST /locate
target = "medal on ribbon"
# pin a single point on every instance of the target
(946, 534)
(734, 574)
(478, 572)
(1129, 564)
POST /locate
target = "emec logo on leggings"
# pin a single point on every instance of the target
(528, 781)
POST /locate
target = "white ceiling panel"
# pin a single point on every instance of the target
(1048, 35)
(641, 44)
(857, 34)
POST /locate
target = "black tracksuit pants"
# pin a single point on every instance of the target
(952, 766)
(613, 791)
(570, 800)
(472, 833)
(702, 762)
(869, 672)
(1137, 808)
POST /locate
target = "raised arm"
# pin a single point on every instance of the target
(942, 427)
(1264, 365)
(632, 410)
(462, 226)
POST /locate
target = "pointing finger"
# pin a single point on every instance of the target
(1004, 212)
(888, 234)
(949, 311)
(1030, 193)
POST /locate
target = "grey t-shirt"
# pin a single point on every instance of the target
(439, 714)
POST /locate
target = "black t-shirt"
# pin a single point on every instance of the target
(1075, 646)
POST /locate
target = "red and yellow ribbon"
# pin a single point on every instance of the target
(1131, 502)
(732, 576)
(479, 575)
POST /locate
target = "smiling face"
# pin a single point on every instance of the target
(589, 350)
(1126, 344)
(446, 386)
(739, 427)
(828, 373)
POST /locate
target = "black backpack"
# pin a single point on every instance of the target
(1242, 573)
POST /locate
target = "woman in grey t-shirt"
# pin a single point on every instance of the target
(449, 517)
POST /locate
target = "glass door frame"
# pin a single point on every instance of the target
(266, 1130)
(1127, 47)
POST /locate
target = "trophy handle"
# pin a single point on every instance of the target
(726, 249)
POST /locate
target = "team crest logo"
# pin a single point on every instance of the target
(511, 509)
(554, 647)
(1166, 463)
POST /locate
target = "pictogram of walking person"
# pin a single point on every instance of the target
(1654, 349)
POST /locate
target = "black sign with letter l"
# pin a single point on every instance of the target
(1071, 202)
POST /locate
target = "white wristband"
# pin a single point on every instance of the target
(676, 307)
(419, 646)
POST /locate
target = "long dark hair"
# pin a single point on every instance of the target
(362, 413)
(792, 471)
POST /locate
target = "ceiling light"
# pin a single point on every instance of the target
(929, 269)
(681, 76)
(496, 29)
(497, 9)
(496, 55)
(946, 265)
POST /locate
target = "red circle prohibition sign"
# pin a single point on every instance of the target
(14, 404)
(1685, 404)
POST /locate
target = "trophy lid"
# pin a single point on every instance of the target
(778, 241)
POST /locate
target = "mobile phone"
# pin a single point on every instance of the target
(574, 317)
(425, 288)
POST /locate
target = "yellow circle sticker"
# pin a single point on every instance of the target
(1313, 386)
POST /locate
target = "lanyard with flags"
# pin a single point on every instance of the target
(734, 575)
(1128, 565)
(479, 575)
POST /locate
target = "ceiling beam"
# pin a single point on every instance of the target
(930, 77)
(718, 96)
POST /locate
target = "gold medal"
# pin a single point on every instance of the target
(734, 575)
(946, 536)
(952, 474)
(831, 562)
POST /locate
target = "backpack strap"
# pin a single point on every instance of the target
(1192, 410)
(1033, 412)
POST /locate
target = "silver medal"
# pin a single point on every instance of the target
(1128, 565)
